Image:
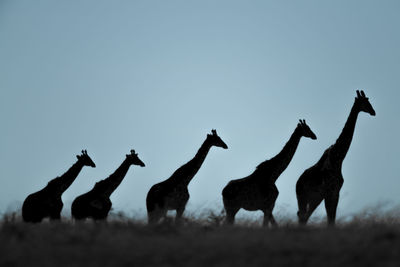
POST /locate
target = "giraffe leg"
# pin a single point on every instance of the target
(269, 218)
(155, 215)
(272, 195)
(312, 205)
(302, 204)
(230, 215)
(331, 202)
(272, 220)
(179, 213)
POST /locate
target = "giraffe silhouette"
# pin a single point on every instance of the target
(47, 202)
(258, 190)
(173, 194)
(96, 203)
(324, 180)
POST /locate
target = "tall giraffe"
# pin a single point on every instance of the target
(173, 194)
(258, 190)
(47, 202)
(96, 203)
(324, 180)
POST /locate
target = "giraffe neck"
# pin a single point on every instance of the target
(342, 144)
(60, 184)
(276, 165)
(108, 185)
(185, 173)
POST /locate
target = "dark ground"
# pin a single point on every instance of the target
(361, 242)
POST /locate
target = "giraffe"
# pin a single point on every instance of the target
(47, 202)
(96, 203)
(258, 190)
(324, 180)
(173, 194)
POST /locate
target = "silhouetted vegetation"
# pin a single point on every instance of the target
(366, 239)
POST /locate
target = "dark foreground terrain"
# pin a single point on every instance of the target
(198, 243)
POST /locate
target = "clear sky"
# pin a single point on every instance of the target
(157, 76)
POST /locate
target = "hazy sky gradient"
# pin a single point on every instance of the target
(157, 76)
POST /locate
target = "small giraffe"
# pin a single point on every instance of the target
(47, 202)
(324, 180)
(96, 203)
(258, 190)
(173, 194)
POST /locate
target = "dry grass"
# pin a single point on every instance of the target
(366, 239)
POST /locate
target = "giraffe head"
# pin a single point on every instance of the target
(362, 103)
(215, 140)
(304, 130)
(134, 159)
(85, 159)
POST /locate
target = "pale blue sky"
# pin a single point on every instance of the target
(157, 76)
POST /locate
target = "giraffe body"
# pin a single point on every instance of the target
(166, 196)
(91, 205)
(250, 194)
(96, 203)
(173, 194)
(47, 202)
(324, 180)
(40, 205)
(258, 190)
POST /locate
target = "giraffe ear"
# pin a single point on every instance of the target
(78, 157)
(358, 93)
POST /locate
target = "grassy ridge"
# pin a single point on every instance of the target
(365, 241)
